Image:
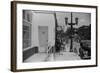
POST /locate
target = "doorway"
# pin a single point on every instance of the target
(43, 38)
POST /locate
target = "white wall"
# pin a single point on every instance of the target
(5, 38)
(43, 19)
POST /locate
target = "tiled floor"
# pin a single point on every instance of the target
(66, 56)
(62, 56)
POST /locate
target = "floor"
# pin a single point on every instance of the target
(61, 56)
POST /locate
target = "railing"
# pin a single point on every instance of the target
(49, 50)
(50, 53)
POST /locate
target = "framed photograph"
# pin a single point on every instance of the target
(47, 36)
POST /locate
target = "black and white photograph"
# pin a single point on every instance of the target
(56, 36)
(53, 36)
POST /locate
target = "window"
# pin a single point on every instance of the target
(24, 14)
(26, 29)
(26, 36)
(28, 17)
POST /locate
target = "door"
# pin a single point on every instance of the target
(43, 38)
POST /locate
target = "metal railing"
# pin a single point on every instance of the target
(50, 53)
